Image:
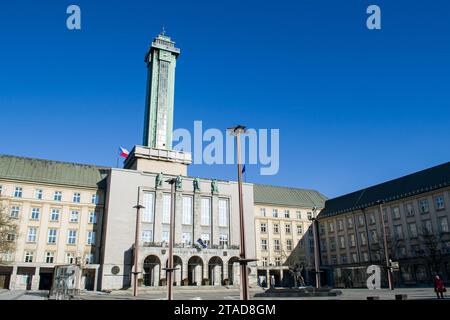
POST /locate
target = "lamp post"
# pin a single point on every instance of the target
(316, 248)
(138, 208)
(386, 252)
(170, 269)
(236, 131)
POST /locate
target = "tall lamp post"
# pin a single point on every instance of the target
(236, 131)
(386, 252)
(170, 269)
(316, 247)
(138, 208)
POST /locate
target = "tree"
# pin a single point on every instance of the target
(7, 234)
(431, 249)
(377, 248)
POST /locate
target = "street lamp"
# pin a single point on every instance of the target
(316, 247)
(386, 252)
(170, 269)
(236, 131)
(138, 208)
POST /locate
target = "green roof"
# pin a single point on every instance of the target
(286, 196)
(407, 186)
(52, 172)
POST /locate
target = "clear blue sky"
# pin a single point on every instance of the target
(354, 107)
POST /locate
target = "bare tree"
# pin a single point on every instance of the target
(431, 249)
(7, 234)
(393, 246)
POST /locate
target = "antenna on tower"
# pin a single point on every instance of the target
(163, 32)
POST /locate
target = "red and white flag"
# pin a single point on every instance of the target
(123, 152)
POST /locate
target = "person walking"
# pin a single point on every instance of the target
(439, 287)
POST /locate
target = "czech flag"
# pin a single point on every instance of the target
(123, 152)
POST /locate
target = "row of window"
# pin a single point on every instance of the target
(286, 214)
(57, 195)
(413, 232)
(276, 245)
(423, 206)
(52, 236)
(276, 228)
(186, 237)
(148, 213)
(35, 214)
(49, 257)
(265, 261)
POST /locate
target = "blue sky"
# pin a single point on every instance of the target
(354, 107)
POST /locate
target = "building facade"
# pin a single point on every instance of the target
(416, 214)
(57, 209)
(283, 236)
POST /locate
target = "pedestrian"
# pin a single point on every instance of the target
(439, 287)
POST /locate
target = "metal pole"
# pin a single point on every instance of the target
(171, 241)
(244, 278)
(136, 250)
(386, 253)
(316, 250)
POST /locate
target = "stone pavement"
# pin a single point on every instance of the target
(23, 295)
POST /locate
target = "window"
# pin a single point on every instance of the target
(73, 216)
(93, 217)
(352, 240)
(342, 242)
(165, 236)
(57, 196)
(333, 260)
(309, 215)
(439, 202)
(187, 210)
(276, 228)
(146, 236)
(71, 236)
(264, 244)
(362, 236)
(51, 236)
(344, 259)
(262, 212)
(263, 227)
(89, 258)
(299, 230)
(286, 214)
(264, 261)
(7, 256)
(28, 256)
(372, 218)
(350, 222)
(340, 224)
(31, 236)
(310, 231)
(395, 213)
(148, 201)
(443, 224)
(206, 238)
(76, 197)
(361, 220)
(223, 239)
(365, 256)
(49, 257)
(166, 208)
(398, 232)
(423, 206)
(412, 227)
(385, 215)
(299, 214)
(323, 245)
(223, 212)
(38, 194)
(289, 244)
(18, 192)
(54, 216)
(275, 213)
(374, 236)
(277, 261)
(14, 212)
(205, 218)
(94, 199)
(428, 227)
(70, 257)
(287, 228)
(409, 208)
(276, 244)
(11, 236)
(402, 251)
(1, 190)
(331, 227)
(321, 228)
(35, 213)
(354, 258)
(332, 244)
(90, 238)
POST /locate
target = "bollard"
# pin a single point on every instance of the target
(401, 296)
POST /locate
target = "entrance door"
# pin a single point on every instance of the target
(29, 280)
(45, 281)
(4, 281)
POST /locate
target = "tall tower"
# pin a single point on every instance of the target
(161, 62)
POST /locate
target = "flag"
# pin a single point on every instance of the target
(123, 152)
(243, 169)
(200, 242)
